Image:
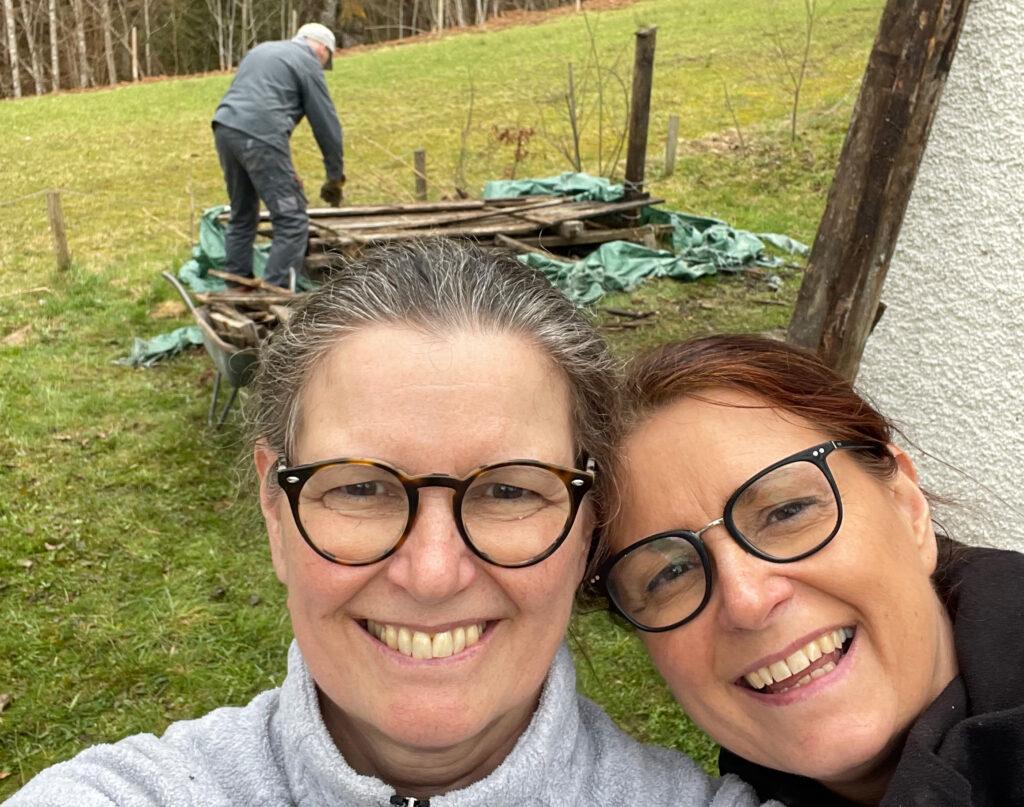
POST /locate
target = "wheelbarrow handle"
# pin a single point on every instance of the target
(182, 291)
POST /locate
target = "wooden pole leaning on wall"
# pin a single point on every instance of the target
(842, 288)
(419, 162)
(639, 113)
(671, 141)
(60, 239)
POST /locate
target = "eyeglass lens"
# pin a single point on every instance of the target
(784, 513)
(358, 512)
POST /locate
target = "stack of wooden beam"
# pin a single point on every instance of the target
(556, 226)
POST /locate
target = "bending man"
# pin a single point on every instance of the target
(277, 84)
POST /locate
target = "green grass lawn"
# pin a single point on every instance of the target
(135, 583)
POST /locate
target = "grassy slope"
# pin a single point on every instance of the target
(135, 585)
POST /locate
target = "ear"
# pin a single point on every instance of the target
(911, 500)
(588, 524)
(272, 504)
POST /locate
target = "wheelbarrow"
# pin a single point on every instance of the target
(235, 365)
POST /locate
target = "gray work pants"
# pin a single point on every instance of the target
(253, 171)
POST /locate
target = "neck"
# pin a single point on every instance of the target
(424, 772)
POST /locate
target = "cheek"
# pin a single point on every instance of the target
(682, 662)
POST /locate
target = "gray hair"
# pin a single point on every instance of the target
(438, 286)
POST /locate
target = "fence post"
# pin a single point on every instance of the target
(60, 239)
(636, 149)
(419, 158)
(670, 145)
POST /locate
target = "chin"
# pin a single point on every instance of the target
(847, 757)
(435, 727)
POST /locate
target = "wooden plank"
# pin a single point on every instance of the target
(640, 235)
(432, 220)
(842, 286)
(520, 246)
(261, 301)
(410, 207)
(251, 282)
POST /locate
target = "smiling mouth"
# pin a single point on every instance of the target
(419, 645)
(816, 658)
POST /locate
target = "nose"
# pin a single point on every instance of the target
(747, 592)
(433, 563)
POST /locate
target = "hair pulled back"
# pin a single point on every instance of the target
(783, 377)
(439, 286)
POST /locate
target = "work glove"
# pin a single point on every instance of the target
(331, 191)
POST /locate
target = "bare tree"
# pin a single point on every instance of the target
(54, 54)
(107, 24)
(31, 15)
(795, 63)
(12, 47)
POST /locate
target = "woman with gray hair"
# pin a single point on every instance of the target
(426, 430)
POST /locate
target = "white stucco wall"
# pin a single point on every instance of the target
(947, 359)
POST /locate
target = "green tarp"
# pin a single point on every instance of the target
(579, 186)
(701, 246)
(146, 353)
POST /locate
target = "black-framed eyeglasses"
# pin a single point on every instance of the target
(359, 511)
(784, 513)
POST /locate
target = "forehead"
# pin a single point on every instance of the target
(682, 463)
(389, 390)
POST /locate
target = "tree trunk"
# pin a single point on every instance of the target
(839, 298)
(54, 55)
(107, 22)
(147, 32)
(29, 13)
(12, 47)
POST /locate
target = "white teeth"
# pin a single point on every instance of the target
(422, 645)
(442, 644)
(405, 641)
(754, 679)
(799, 661)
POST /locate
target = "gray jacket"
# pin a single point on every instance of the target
(277, 83)
(276, 751)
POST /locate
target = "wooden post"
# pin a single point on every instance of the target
(419, 158)
(135, 53)
(639, 112)
(842, 286)
(670, 145)
(60, 239)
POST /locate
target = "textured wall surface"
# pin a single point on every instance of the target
(947, 359)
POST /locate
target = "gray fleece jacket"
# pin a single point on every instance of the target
(277, 751)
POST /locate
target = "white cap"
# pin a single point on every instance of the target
(315, 32)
